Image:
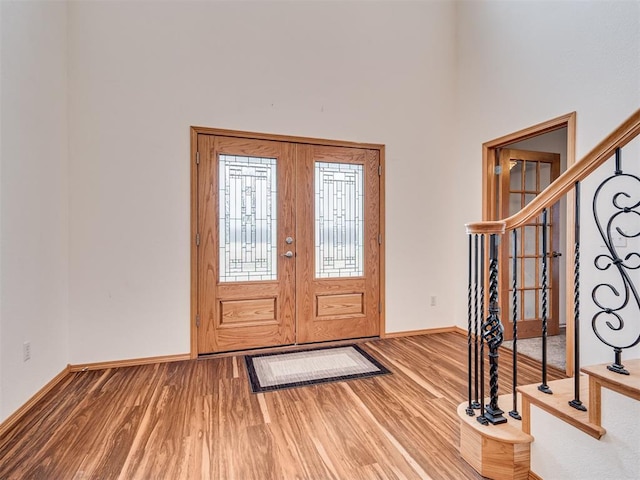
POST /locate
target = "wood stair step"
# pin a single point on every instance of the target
(557, 404)
(628, 385)
(600, 376)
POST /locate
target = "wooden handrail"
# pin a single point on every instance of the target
(580, 170)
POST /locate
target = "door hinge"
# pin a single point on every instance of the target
(197, 320)
(197, 239)
(379, 239)
(379, 170)
(498, 169)
(197, 158)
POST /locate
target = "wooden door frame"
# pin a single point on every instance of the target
(194, 132)
(489, 148)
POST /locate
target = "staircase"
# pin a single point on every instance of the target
(587, 426)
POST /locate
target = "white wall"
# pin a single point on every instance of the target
(521, 63)
(562, 452)
(142, 72)
(33, 198)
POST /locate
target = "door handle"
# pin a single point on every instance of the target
(556, 254)
(288, 254)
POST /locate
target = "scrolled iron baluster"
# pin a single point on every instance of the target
(623, 204)
(493, 334)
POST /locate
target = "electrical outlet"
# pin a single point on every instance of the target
(433, 300)
(619, 240)
(26, 351)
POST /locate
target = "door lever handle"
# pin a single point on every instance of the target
(556, 254)
(288, 254)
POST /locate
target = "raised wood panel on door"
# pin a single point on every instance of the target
(337, 308)
(247, 314)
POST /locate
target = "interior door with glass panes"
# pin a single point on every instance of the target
(338, 244)
(246, 260)
(524, 174)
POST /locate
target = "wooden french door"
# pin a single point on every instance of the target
(524, 174)
(287, 243)
(338, 272)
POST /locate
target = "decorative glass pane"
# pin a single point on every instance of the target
(530, 177)
(530, 274)
(515, 175)
(529, 240)
(529, 304)
(515, 203)
(248, 218)
(339, 220)
(545, 175)
(528, 198)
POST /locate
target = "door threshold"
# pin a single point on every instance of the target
(287, 348)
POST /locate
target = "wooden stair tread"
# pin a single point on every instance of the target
(557, 404)
(510, 432)
(628, 385)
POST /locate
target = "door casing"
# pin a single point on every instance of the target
(489, 159)
(194, 160)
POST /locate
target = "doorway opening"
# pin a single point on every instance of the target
(516, 167)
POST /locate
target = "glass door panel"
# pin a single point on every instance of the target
(248, 218)
(339, 220)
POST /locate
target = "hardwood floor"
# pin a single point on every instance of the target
(199, 420)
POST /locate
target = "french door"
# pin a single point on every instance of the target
(524, 175)
(287, 242)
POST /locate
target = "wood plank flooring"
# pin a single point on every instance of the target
(199, 420)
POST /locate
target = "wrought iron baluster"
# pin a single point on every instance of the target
(514, 413)
(493, 334)
(482, 418)
(469, 328)
(576, 403)
(624, 204)
(482, 282)
(543, 387)
(477, 403)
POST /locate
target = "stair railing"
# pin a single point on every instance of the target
(490, 331)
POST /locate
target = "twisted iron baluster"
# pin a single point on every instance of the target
(543, 387)
(493, 334)
(476, 404)
(469, 327)
(482, 280)
(576, 403)
(481, 418)
(514, 413)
